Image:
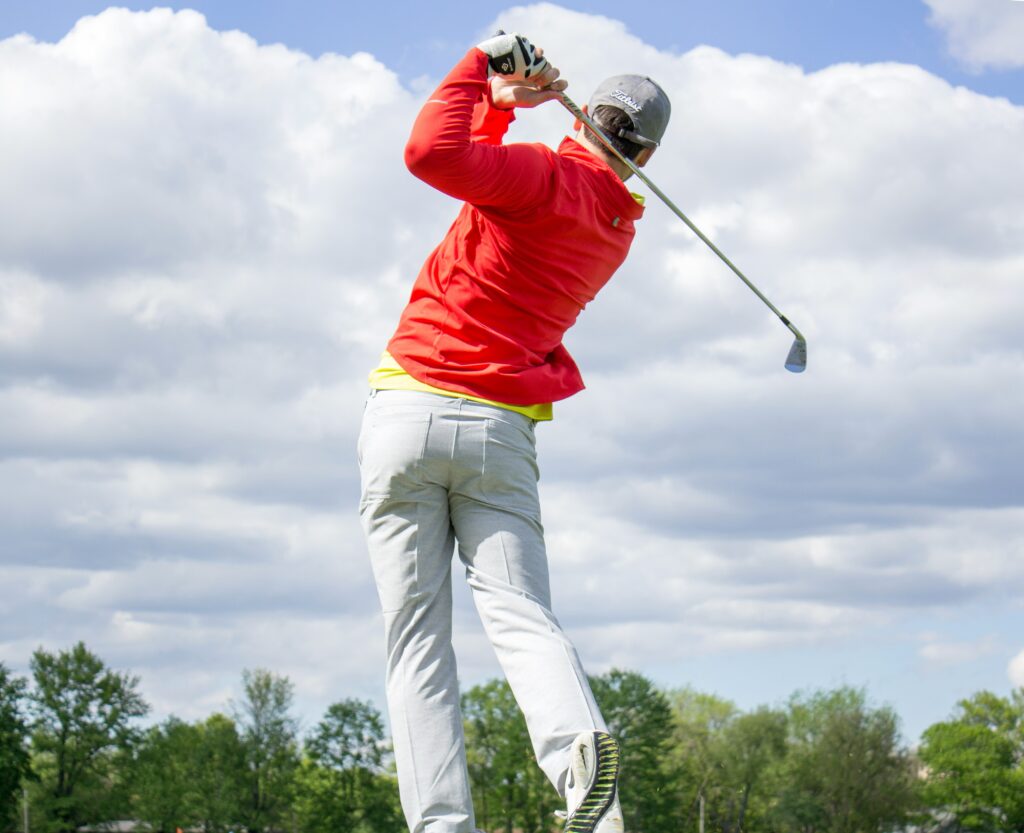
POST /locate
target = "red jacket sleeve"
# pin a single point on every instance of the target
(490, 123)
(456, 147)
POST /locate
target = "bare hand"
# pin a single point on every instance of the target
(546, 86)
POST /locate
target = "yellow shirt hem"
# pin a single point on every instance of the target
(389, 375)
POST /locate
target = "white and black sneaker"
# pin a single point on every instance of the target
(591, 788)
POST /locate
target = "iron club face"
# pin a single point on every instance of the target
(796, 361)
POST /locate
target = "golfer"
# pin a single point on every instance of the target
(447, 452)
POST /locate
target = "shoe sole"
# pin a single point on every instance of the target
(603, 789)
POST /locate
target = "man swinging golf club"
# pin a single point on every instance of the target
(447, 452)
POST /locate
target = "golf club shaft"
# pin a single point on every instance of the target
(589, 122)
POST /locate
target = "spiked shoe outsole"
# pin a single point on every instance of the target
(601, 794)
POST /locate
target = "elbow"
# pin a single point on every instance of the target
(428, 161)
(417, 157)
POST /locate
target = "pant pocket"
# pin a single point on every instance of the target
(392, 443)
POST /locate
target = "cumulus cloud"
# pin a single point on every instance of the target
(205, 243)
(982, 33)
(939, 652)
(1015, 670)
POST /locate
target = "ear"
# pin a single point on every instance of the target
(578, 124)
(644, 156)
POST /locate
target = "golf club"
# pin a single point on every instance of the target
(796, 361)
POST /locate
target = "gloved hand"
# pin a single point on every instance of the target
(512, 57)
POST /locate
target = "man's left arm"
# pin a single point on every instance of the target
(490, 122)
(455, 144)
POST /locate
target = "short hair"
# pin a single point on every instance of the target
(611, 120)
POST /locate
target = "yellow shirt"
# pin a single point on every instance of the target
(389, 375)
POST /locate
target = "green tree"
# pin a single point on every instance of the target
(746, 752)
(190, 775)
(974, 764)
(845, 770)
(1002, 715)
(698, 722)
(728, 757)
(83, 723)
(317, 804)
(163, 775)
(220, 774)
(15, 763)
(342, 782)
(349, 739)
(509, 790)
(640, 718)
(270, 739)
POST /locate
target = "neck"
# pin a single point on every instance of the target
(622, 170)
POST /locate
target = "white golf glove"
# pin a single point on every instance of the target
(512, 56)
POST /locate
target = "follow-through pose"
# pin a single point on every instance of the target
(447, 449)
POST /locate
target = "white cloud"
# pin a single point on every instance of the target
(938, 652)
(1015, 670)
(982, 33)
(719, 593)
(204, 244)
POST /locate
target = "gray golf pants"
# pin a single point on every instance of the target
(436, 471)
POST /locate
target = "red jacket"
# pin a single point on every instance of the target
(541, 232)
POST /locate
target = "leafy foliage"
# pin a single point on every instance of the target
(828, 762)
(845, 770)
(640, 718)
(220, 775)
(269, 736)
(975, 764)
(162, 776)
(190, 776)
(84, 724)
(15, 763)
(341, 784)
(729, 758)
(509, 790)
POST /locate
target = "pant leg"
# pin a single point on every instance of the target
(404, 511)
(495, 510)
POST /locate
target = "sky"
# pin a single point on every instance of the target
(206, 237)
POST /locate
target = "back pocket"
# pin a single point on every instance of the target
(392, 443)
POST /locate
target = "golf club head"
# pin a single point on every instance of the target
(796, 361)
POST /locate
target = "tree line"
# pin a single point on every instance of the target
(74, 754)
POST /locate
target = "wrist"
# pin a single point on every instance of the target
(491, 100)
